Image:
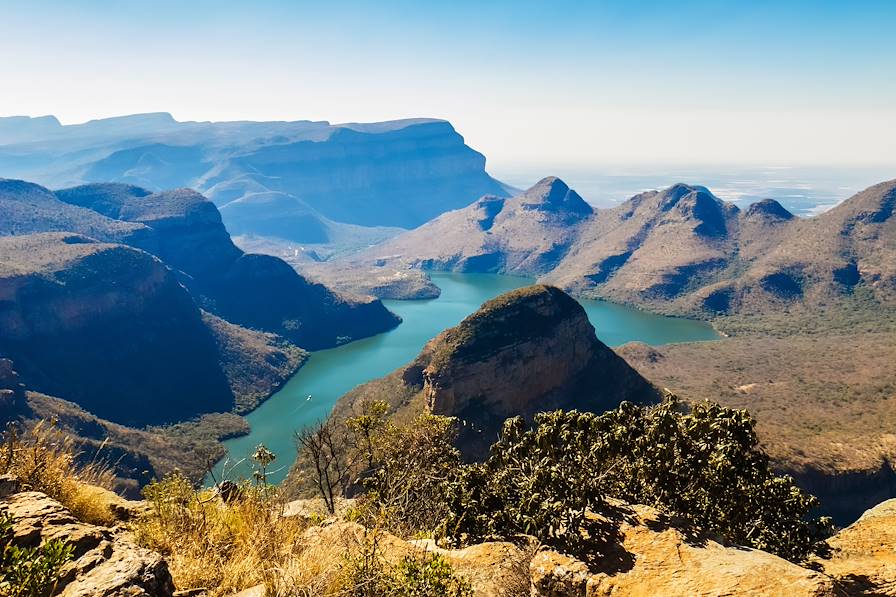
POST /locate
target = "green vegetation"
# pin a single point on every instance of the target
(701, 465)
(29, 571)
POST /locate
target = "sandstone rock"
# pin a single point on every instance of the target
(106, 562)
(863, 558)
(495, 569)
(655, 558)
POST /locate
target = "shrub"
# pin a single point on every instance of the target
(366, 573)
(700, 464)
(29, 571)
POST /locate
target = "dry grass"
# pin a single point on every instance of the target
(45, 459)
(221, 547)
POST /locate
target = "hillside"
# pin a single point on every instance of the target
(680, 250)
(186, 232)
(294, 180)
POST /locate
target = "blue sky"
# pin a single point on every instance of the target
(555, 82)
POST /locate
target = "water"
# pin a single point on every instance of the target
(310, 394)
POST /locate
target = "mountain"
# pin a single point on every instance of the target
(110, 328)
(186, 232)
(681, 250)
(294, 180)
(527, 351)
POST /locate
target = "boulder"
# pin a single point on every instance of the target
(650, 556)
(106, 562)
(863, 555)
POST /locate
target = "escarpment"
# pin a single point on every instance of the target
(109, 327)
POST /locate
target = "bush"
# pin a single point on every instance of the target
(29, 571)
(702, 465)
(368, 574)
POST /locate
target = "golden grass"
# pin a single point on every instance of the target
(45, 459)
(222, 547)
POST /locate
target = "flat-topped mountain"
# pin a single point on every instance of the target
(186, 232)
(294, 180)
(680, 250)
(527, 351)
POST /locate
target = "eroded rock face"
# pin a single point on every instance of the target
(106, 562)
(527, 351)
(863, 555)
(653, 557)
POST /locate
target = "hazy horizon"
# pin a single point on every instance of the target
(571, 83)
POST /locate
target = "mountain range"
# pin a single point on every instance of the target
(303, 181)
(680, 250)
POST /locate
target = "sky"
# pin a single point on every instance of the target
(558, 82)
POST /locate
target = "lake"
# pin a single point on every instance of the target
(328, 374)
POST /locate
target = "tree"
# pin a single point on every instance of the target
(326, 445)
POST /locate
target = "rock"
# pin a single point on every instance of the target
(863, 555)
(8, 485)
(653, 557)
(106, 562)
(494, 569)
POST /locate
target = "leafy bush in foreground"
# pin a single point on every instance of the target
(29, 571)
(701, 464)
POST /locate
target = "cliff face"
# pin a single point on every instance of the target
(257, 291)
(292, 180)
(526, 351)
(109, 327)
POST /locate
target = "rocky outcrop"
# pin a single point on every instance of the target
(863, 555)
(105, 563)
(653, 557)
(527, 351)
(494, 569)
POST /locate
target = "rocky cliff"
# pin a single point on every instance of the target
(106, 326)
(287, 179)
(186, 232)
(109, 327)
(527, 351)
